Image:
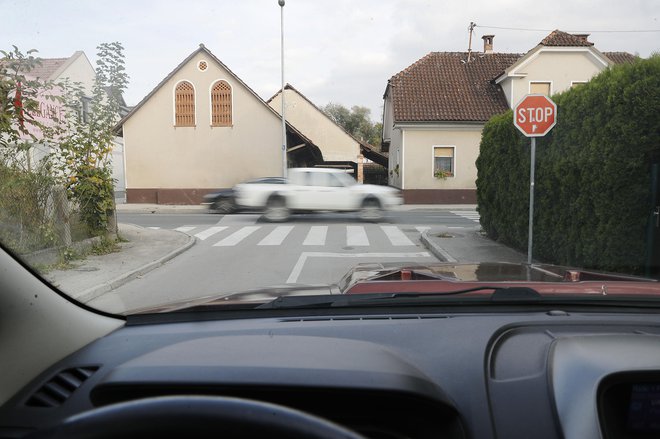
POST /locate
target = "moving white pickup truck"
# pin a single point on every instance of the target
(317, 189)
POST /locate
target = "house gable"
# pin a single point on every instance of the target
(558, 62)
(334, 142)
(162, 156)
(199, 55)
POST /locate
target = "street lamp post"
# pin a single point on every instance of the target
(284, 161)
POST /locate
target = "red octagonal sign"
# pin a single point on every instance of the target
(535, 115)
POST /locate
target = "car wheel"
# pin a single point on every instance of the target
(223, 206)
(276, 210)
(371, 210)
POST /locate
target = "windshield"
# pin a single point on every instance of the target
(458, 147)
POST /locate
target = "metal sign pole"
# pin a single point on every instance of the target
(531, 202)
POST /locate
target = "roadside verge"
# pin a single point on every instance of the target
(145, 250)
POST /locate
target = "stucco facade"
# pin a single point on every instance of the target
(178, 164)
(335, 144)
(415, 174)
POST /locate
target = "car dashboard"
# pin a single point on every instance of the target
(508, 373)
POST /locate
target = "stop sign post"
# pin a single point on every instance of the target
(535, 115)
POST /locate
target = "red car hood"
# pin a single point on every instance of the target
(547, 280)
(447, 277)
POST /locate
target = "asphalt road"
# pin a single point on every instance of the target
(240, 252)
(455, 218)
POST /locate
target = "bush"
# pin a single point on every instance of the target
(592, 195)
(25, 200)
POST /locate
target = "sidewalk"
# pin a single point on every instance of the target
(145, 250)
(467, 245)
(148, 249)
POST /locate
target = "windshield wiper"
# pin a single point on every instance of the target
(500, 294)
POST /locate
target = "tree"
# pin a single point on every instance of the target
(19, 104)
(26, 189)
(85, 139)
(356, 121)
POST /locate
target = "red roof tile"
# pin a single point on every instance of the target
(620, 57)
(443, 86)
(47, 67)
(564, 39)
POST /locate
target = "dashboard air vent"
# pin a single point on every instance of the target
(60, 387)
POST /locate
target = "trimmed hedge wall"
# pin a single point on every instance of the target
(592, 194)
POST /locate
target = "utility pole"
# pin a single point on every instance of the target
(470, 32)
(284, 159)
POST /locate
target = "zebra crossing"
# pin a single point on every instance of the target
(471, 215)
(305, 235)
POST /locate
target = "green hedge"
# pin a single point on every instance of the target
(592, 195)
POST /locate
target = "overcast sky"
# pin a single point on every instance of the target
(341, 51)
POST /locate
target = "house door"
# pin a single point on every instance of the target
(653, 230)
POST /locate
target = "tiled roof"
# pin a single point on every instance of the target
(564, 39)
(443, 86)
(620, 57)
(47, 67)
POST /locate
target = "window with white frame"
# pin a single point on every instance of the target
(443, 160)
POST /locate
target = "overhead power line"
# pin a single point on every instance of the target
(570, 31)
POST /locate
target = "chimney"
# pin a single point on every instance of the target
(488, 43)
(583, 37)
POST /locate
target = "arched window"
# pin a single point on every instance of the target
(221, 104)
(184, 105)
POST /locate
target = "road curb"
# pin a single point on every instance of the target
(434, 248)
(106, 287)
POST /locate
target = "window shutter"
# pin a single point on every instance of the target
(541, 88)
(184, 105)
(221, 105)
(443, 152)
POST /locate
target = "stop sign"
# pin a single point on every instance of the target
(535, 115)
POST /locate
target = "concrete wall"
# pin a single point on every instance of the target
(334, 143)
(159, 155)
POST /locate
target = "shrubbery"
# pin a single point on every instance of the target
(592, 195)
(25, 203)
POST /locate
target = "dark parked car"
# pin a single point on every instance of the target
(224, 201)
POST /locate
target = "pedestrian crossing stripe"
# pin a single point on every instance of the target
(237, 236)
(316, 235)
(396, 236)
(355, 236)
(277, 236)
(467, 214)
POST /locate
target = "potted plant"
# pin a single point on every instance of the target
(442, 174)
